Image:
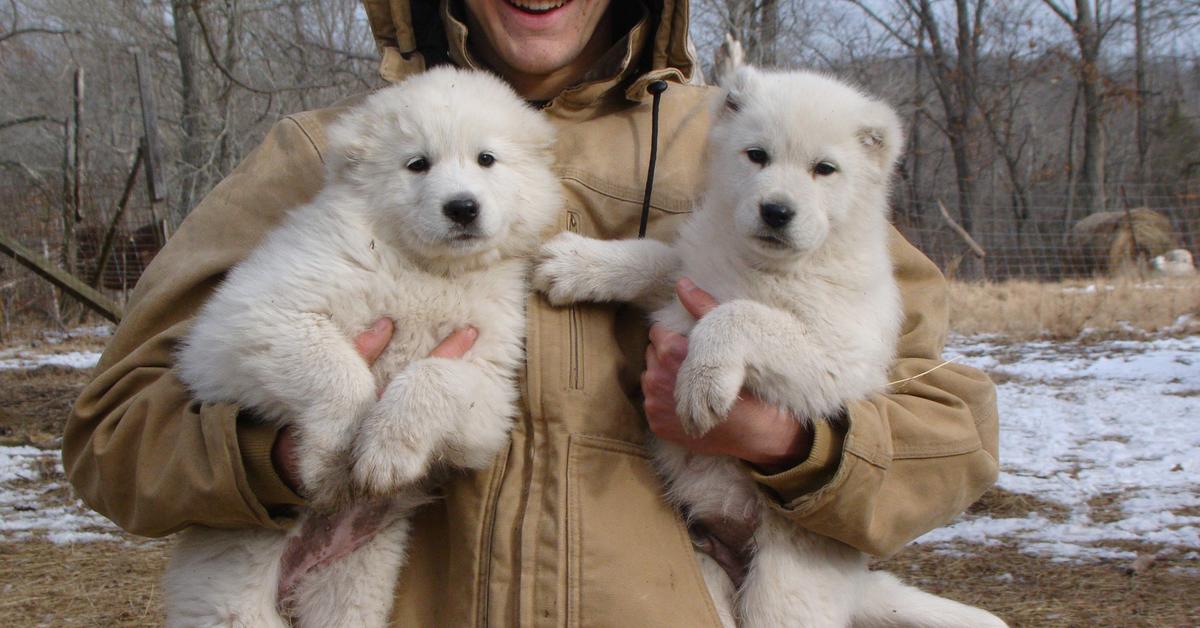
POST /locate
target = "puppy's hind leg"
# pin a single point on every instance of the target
(357, 590)
(798, 579)
(720, 588)
(885, 602)
(224, 578)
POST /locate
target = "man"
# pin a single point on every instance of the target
(568, 525)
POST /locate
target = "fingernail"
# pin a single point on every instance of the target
(381, 325)
(687, 284)
(472, 333)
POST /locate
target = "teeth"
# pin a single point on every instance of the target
(537, 7)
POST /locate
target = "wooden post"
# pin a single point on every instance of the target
(99, 303)
(110, 235)
(77, 115)
(153, 161)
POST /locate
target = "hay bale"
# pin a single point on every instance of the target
(1104, 242)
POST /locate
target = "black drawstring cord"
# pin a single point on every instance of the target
(656, 89)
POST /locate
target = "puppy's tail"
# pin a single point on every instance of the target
(888, 603)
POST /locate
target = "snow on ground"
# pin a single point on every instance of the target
(30, 357)
(1115, 423)
(1110, 431)
(33, 502)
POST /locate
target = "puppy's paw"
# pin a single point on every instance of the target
(381, 469)
(705, 392)
(477, 447)
(324, 480)
(560, 268)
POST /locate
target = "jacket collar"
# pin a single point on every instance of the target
(655, 47)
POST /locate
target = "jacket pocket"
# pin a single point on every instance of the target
(629, 558)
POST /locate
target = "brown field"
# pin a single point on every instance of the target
(116, 583)
(1103, 307)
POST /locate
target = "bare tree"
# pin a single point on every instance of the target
(1090, 23)
(953, 68)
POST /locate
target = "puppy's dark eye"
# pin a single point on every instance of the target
(824, 169)
(486, 159)
(417, 164)
(758, 156)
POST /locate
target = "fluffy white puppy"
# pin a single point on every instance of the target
(436, 192)
(791, 238)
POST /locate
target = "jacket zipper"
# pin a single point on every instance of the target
(575, 326)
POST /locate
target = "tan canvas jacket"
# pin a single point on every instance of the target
(568, 526)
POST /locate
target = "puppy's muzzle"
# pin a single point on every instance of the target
(775, 215)
(461, 211)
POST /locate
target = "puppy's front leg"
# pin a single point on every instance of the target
(317, 374)
(572, 268)
(723, 351)
(436, 410)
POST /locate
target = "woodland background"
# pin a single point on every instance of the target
(1023, 116)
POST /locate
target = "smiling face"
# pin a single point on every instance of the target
(449, 165)
(799, 155)
(539, 46)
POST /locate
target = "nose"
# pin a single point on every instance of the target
(775, 214)
(462, 211)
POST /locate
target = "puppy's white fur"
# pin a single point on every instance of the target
(377, 241)
(809, 318)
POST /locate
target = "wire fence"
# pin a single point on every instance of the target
(1052, 237)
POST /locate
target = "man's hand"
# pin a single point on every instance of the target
(370, 345)
(754, 431)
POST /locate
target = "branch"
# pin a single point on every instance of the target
(212, 55)
(1062, 13)
(36, 30)
(27, 120)
(962, 233)
(904, 41)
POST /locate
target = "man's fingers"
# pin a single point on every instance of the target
(669, 347)
(371, 343)
(696, 301)
(457, 344)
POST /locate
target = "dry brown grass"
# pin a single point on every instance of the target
(86, 584)
(1123, 306)
(1031, 591)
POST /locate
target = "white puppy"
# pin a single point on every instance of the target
(791, 238)
(437, 191)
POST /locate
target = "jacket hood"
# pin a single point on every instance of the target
(415, 34)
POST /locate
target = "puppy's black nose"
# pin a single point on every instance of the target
(462, 211)
(776, 215)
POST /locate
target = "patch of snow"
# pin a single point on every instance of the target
(27, 359)
(29, 511)
(1118, 420)
(65, 538)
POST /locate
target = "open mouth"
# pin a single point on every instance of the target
(533, 7)
(773, 242)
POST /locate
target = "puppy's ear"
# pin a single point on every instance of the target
(881, 134)
(728, 59)
(347, 142)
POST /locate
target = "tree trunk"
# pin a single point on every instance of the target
(1139, 20)
(191, 115)
(1092, 171)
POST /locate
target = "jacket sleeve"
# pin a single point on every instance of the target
(136, 447)
(904, 462)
